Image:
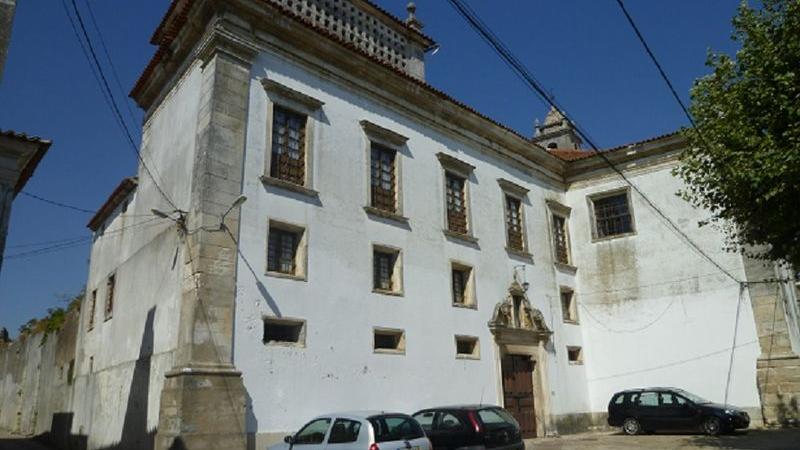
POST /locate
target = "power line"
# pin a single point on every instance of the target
(55, 203)
(663, 74)
(110, 61)
(78, 241)
(655, 61)
(503, 51)
(113, 103)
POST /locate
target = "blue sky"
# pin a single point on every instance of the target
(583, 51)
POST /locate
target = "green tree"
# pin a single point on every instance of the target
(744, 163)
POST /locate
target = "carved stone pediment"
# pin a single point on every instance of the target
(514, 315)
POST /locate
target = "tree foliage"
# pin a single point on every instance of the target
(743, 164)
(55, 318)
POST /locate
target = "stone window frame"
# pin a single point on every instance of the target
(400, 349)
(92, 310)
(298, 103)
(397, 270)
(384, 137)
(111, 287)
(301, 251)
(591, 198)
(573, 318)
(563, 211)
(301, 338)
(509, 188)
(470, 290)
(476, 342)
(464, 170)
(578, 361)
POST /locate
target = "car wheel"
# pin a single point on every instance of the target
(712, 426)
(631, 426)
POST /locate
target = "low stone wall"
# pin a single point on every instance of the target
(36, 376)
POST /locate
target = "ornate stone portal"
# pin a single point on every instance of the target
(520, 330)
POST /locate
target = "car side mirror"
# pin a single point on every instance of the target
(289, 439)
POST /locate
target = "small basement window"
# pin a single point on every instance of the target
(467, 347)
(575, 355)
(284, 331)
(389, 341)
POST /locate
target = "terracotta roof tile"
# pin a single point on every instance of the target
(30, 167)
(115, 199)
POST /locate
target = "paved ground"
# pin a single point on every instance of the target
(751, 440)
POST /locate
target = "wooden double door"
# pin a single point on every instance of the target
(518, 392)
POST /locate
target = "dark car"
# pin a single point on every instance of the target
(670, 409)
(470, 427)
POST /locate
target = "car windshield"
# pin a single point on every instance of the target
(693, 398)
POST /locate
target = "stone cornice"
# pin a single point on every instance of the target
(453, 163)
(264, 28)
(637, 156)
(377, 132)
(291, 94)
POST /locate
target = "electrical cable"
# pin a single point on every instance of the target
(78, 241)
(114, 107)
(55, 203)
(500, 48)
(110, 61)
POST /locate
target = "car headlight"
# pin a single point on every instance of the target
(731, 412)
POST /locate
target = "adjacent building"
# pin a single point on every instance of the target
(396, 250)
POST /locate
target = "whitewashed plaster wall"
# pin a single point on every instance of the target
(130, 352)
(653, 311)
(337, 370)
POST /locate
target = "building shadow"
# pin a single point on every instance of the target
(135, 435)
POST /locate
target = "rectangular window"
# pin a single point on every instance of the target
(286, 331)
(560, 239)
(568, 307)
(389, 340)
(456, 203)
(282, 251)
(467, 347)
(575, 355)
(386, 270)
(110, 286)
(92, 309)
(612, 215)
(462, 285)
(383, 178)
(514, 230)
(288, 146)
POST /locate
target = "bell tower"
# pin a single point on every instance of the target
(557, 132)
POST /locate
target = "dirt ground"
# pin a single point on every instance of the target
(788, 439)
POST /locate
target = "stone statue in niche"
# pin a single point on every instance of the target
(515, 311)
(502, 315)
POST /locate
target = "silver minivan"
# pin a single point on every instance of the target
(362, 430)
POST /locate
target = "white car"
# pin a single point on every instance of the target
(364, 430)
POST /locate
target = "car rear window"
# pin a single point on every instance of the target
(395, 428)
(618, 399)
(425, 419)
(495, 418)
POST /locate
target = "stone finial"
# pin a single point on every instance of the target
(412, 21)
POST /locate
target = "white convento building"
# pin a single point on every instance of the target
(396, 250)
